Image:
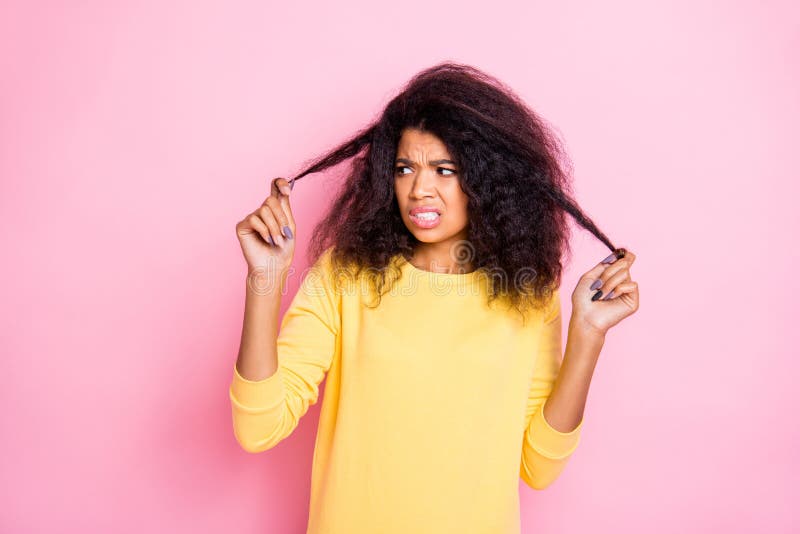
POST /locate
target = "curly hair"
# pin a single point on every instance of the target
(514, 172)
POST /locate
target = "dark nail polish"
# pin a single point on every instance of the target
(288, 232)
(597, 295)
(597, 283)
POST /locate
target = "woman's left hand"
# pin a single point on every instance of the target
(614, 281)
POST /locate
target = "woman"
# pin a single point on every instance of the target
(433, 308)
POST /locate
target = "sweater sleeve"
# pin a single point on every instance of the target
(545, 450)
(267, 411)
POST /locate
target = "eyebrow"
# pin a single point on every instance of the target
(432, 162)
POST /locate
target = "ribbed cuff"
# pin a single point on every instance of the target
(257, 395)
(548, 441)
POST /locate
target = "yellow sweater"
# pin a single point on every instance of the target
(433, 404)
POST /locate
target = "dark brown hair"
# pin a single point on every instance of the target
(512, 167)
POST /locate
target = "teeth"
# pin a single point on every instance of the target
(427, 216)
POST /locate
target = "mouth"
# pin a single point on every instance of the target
(425, 219)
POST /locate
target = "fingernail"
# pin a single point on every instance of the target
(609, 295)
(597, 295)
(597, 283)
(288, 232)
(270, 241)
(291, 184)
(610, 259)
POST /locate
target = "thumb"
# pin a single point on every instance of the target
(281, 186)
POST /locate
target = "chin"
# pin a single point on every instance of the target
(429, 236)
(426, 239)
(423, 236)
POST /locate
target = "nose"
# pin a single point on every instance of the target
(424, 184)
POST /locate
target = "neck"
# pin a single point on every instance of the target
(441, 258)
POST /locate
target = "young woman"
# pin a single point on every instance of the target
(432, 306)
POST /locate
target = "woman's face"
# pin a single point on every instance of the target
(425, 177)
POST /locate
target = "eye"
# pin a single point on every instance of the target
(447, 172)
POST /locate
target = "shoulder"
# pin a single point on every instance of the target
(330, 269)
(552, 308)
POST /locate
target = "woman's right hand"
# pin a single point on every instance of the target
(266, 243)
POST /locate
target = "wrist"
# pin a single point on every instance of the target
(586, 332)
(261, 281)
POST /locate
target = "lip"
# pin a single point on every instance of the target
(425, 224)
(424, 209)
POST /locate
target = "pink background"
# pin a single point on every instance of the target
(133, 137)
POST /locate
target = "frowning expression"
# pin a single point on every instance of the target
(428, 189)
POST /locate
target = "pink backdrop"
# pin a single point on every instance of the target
(134, 137)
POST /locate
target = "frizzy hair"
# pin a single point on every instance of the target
(512, 167)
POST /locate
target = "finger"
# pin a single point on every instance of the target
(287, 212)
(258, 225)
(625, 254)
(630, 288)
(268, 216)
(591, 277)
(283, 220)
(282, 191)
(608, 271)
(274, 190)
(611, 283)
(598, 277)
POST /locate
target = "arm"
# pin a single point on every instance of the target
(557, 399)
(275, 379)
(258, 358)
(564, 410)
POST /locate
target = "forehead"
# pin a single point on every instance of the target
(413, 140)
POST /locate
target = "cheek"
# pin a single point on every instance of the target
(462, 216)
(459, 202)
(399, 187)
(400, 196)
